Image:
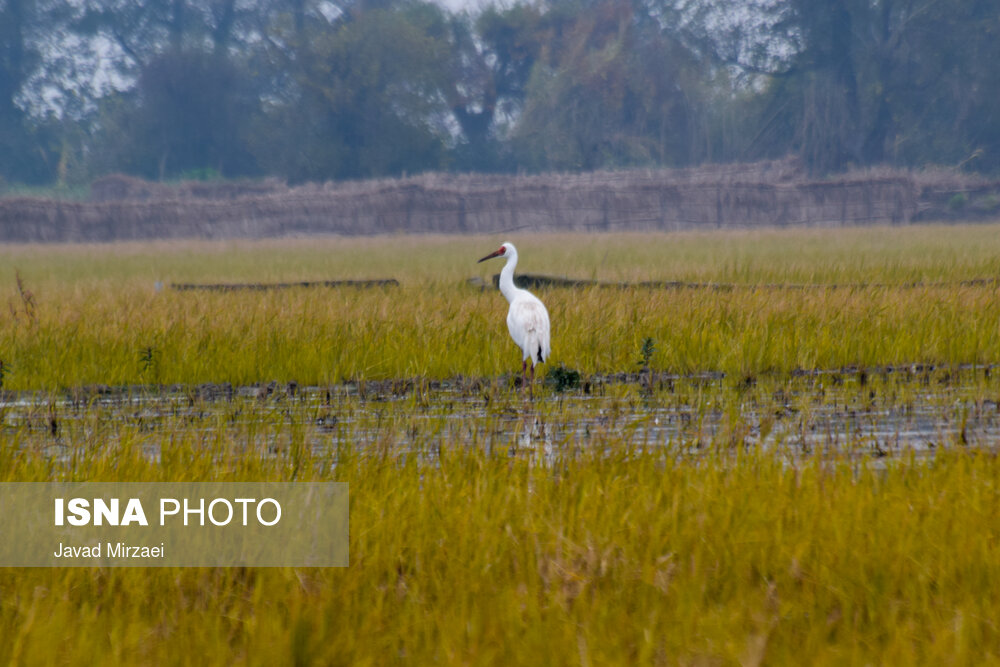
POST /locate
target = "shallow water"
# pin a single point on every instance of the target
(859, 413)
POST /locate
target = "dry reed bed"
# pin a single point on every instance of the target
(756, 195)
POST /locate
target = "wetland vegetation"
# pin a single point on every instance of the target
(793, 462)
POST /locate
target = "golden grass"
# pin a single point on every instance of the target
(605, 558)
(464, 551)
(98, 319)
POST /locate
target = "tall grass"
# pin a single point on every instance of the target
(605, 558)
(467, 548)
(99, 319)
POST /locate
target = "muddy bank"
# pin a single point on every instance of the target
(467, 386)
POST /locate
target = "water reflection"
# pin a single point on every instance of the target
(535, 440)
(796, 416)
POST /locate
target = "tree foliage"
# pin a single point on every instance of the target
(364, 99)
(613, 89)
(189, 113)
(337, 89)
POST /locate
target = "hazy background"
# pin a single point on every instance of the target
(306, 90)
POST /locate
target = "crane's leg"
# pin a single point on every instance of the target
(531, 387)
(524, 374)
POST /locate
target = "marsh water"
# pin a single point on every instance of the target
(878, 413)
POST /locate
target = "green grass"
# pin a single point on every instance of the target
(96, 313)
(602, 559)
(465, 549)
(60, 192)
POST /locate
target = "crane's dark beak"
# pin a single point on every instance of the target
(491, 255)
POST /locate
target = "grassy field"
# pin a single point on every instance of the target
(469, 543)
(95, 317)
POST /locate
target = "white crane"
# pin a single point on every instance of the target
(527, 319)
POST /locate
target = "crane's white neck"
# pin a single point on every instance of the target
(507, 286)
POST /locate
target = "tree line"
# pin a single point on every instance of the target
(312, 90)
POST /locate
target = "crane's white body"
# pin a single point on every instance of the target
(527, 318)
